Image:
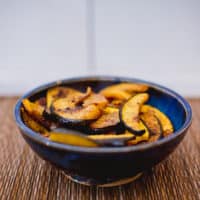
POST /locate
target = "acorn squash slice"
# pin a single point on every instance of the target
(108, 121)
(166, 124)
(32, 124)
(129, 113)
(153, 125)
(36, 111)
(72, 139)
(68, 112)
(128, 87)
(62, 92)
(123, 91)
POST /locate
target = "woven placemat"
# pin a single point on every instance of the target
(23, 175)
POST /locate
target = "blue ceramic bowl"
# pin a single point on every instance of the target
(109, 166)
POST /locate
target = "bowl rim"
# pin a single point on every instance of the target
(140, 147)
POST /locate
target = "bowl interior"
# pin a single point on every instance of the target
(161, 98)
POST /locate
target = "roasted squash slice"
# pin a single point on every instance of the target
(108, 121)
(72, 139)
(165, 122)
(67, 112)
(116, 94)
(129, 113)
(123, 91)
(32, 108)
(112, 140)
(31, 123)
(63, 92)
(153, 125)
(36, 111)
(128, 87)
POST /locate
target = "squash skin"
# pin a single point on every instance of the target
(129, 113)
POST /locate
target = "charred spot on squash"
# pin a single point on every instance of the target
(166, 124)
(129, 113)
(108, 121)
(41, 102)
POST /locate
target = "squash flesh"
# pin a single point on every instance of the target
(72, 139)
(116, 94)
(112, 140)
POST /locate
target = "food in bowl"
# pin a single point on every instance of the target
(117, 115)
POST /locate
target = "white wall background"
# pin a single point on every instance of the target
(47, 40)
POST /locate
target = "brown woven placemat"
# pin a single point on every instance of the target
(23, 175)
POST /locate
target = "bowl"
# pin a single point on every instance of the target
(109, 166)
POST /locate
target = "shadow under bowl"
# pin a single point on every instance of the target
(109, 166)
